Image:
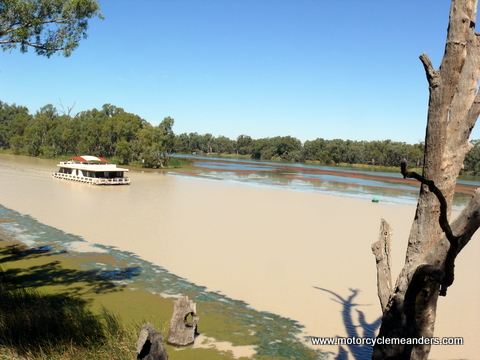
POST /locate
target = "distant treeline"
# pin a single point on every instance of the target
(113, 132)
(287, 148)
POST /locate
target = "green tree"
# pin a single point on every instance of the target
(13, 120)
(288, 147)
(206, 143)
(336, 150)
(224, 145)
(62, 138)
(376, 152)
(89, 132)
(124, 151)
(156, 143)
(145, 146)
(472, 160)
(355, 152)
(263, 149)
(182, 143)
(37, 131)
(194, 142)
(189, 143)
(17, 144)
(316, 150)
(244, 145)
(167, 140)
(48, 26)
(415, 153)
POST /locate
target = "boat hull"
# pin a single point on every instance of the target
(92, 180)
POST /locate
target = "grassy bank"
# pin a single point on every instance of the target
(58, 310)
(140, 291)
(37, 325)
(49, 309)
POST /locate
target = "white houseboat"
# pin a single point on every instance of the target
(91, 170)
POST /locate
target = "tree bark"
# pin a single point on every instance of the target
(150, 344)
(454, 106)
(381, 250)
(183, 323)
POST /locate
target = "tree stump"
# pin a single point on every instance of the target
(150, 344)
(183, 323)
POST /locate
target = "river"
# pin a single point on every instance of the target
(360, 182)
(267, 246)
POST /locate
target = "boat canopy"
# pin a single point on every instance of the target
(88, 158)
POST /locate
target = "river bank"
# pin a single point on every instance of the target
(270, 248)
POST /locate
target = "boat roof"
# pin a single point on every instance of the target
(88, 158)
(85, 163)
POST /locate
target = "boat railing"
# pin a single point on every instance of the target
(93, 181)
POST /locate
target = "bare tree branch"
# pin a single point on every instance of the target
(381, 250)
(431, 73)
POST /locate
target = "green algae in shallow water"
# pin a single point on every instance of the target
(221, 318)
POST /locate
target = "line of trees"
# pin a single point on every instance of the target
(109, 132)
(113, 132)
(287, 148)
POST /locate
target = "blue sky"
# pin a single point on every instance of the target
(305, 68)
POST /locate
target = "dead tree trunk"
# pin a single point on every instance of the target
(150, 344)
(183, 323)
(381, 250)
(454, 106)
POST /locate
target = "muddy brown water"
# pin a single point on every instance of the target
(269, 247)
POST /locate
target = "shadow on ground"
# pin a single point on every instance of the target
(359, 351)
(53, 273)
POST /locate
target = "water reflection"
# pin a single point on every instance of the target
(233, 166)
(354, 182)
